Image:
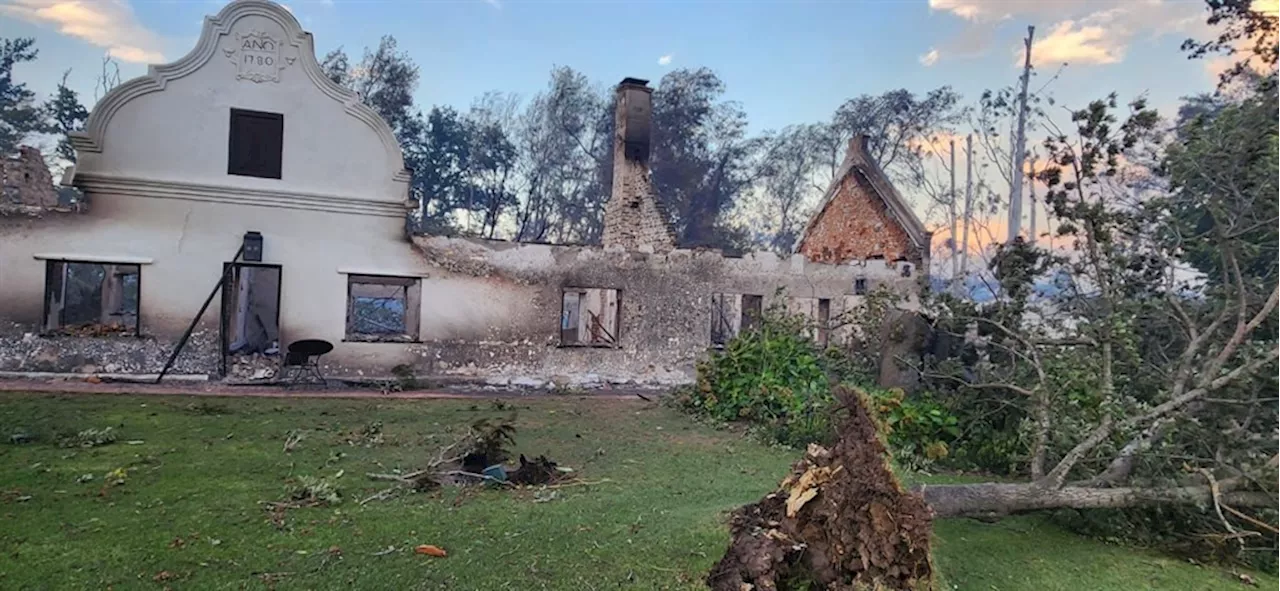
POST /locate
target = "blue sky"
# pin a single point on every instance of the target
(785, 61)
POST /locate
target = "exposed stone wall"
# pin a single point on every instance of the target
(25, 180)
(633, 217)
(510, 296)
(857, 225)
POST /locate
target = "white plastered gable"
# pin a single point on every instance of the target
(165, 134)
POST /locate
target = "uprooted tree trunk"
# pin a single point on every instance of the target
(840, 520)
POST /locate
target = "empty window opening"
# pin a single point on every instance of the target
(823, 333)
(725, 318)
(589, 317)
(256, 144)
(91, 299)
(906, 270)
(860, 286)
(251, 321)
(752, 311)
(383, 308)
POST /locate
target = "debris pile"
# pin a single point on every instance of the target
(477, 457)
(840, 520)
(23, 348)
(254, 366)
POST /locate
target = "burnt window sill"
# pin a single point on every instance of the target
(92, 332)
(380, 338)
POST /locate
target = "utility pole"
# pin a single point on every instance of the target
(1019, 145)
(968, 206)
(1031, 180)
(951, 209)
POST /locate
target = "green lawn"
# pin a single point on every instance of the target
(189, 515)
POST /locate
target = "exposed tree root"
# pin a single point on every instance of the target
(840, 521)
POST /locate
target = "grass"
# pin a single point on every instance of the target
(188, 515)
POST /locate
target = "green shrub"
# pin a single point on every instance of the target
(777, 378)
(919, 430)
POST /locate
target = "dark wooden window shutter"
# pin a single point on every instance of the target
(256, 145)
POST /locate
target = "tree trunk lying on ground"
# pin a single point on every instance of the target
(841, 520)
(958, 500)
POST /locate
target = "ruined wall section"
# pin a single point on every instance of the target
(505, 329)
(25, 180)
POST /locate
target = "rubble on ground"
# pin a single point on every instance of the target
(254, 366)
(839, 521)
(24, 349)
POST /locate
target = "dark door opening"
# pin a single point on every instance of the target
(250, 326)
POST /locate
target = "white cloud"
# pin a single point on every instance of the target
(1076, 31)
(666, 59)
(1076, 43)
(105, 23)
(930, 58)
(966, 9)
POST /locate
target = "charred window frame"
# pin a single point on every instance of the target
(255, 146)
(723, 328)
(383, 308)
(92, 298)
(590, 317)
(752, 311)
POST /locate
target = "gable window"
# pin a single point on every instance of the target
(589, 317)
(383, 308)
(256, 144)
(91, 299)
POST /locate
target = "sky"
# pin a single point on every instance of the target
(786, 62)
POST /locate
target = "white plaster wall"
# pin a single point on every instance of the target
(189, 241)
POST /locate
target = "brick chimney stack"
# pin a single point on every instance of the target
(633, 217)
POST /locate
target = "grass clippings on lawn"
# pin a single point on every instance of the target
(183, 498)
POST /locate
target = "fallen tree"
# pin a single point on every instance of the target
(1138, 354)
(994, 499)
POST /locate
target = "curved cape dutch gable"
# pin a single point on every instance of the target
(218, 39)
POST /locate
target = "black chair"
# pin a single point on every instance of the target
(302, 360)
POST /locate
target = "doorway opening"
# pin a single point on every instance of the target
(250, 321)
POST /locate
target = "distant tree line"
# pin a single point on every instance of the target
(540, 169)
